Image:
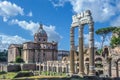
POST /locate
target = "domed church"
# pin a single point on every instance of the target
(34, 52)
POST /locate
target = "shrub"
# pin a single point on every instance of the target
(19, 60)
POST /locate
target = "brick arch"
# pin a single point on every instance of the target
(87, 59)
(98, 58)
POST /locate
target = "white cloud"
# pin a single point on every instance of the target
(102, 10)
(86, 41)
(33, 27)
(30, 14)
(8, 9)
(52, 34)
(57, 3)
(6, 40)
(86, 38)
(116, 22)
(97, 44)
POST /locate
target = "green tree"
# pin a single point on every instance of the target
(3, 56)
(117, 31)
(115, 40)
(103, 32)
(19, 60)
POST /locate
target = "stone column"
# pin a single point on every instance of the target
(91, 50)
(48, 69)
(43, 67)
(81, 54)
(57, 68)
(39, 68)
(117, 69)
(72, 51)
(76, 68)
(66, 67)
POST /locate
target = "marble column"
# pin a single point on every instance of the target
(48, 69)
(57, 68)
(43, 67)
(81, 54)
(76, 68)
(91, 50)
(72, 51)
(66, 67)
(39, 68)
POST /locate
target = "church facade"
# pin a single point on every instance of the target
(34, 52)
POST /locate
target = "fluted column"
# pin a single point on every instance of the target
(81, 54)
(91, 50)
(72, 51)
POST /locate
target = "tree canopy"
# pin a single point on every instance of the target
(3, 56)
(103, 32)
(115, 40)
(19, 60)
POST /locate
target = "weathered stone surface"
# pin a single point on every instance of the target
(80, 20)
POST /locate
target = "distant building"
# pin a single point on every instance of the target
(32, 52)
(62, 53)
(14, 50)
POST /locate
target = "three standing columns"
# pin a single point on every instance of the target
(72, 70)
(81, 53)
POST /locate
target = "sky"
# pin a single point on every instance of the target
(20, 19)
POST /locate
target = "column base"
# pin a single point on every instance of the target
(91, 71)
(91, 74)
(71, 73)
(81, 74)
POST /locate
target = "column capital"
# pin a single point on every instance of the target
(72, 27)
(81, 26)
(91, 24)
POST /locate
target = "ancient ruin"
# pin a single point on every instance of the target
(79, 21)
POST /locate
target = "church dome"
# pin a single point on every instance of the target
(41, 32)
(41, 35)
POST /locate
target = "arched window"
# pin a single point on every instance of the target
(98, 59)
(44, 40)
(43, 54)
(39, 39)
(87, 59)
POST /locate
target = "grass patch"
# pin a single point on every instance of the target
(2, 72)
(9, 75)
(40, 77)
(50, 73)
(43, 74)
